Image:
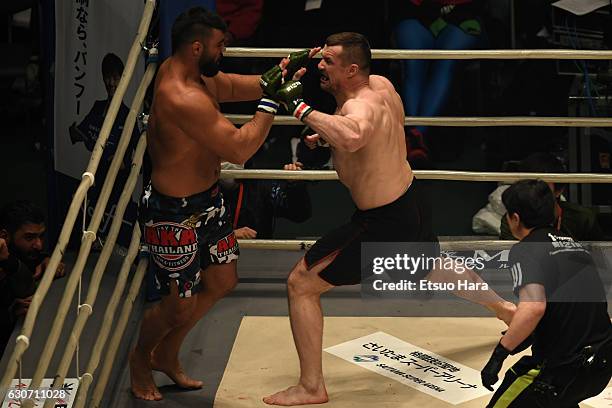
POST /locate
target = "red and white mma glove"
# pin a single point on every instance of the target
(290, 96)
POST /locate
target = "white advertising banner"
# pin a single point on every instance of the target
(93, 39)
(413, 366)
(91, 36)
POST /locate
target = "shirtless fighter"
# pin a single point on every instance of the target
(366, 136)
(186, 229)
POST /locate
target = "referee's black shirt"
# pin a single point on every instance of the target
(576, 311)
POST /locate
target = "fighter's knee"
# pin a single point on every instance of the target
(297, 282)
(229, 285)
(293, 282)
(180, 314)
(446, 274)
(222, 287)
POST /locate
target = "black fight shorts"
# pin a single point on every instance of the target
(407, 219)
(185, 235)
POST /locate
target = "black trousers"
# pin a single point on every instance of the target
(530, 384)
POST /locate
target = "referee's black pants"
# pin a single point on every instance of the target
(529, 384)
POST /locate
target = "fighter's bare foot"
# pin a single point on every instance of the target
(504, 311)
(297, 395)
(143, 386)
(176, 373)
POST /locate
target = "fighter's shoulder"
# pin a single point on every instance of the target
(360, 105)
(378, 82)
(181, 97)
(368, 101)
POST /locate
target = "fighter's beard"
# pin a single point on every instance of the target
(28, 257)
(209, 69)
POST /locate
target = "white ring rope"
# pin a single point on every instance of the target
(483, 121)
(78, 198)
(302, 245)
(423, 175)
(439, 54)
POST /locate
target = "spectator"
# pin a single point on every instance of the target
(22, 226)
(22, 261)
(5, 317)
(487, 220)
(242, 18)
(313, 155)
(256, 204)
(437, 25)
(4, 253)
(14, 281)
(571, 219)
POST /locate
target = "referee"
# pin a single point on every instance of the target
(562, 311)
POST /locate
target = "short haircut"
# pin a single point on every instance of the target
(111, 65)
(197, 22)
(18, 213)
(532, 200)
(355, 49)
(543, 163)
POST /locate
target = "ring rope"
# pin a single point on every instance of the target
(85, 248)
(109, 314)
(302, 245)
(101, 267)
(77, 366)
(69, 222)
(113, 345)
(450, 175)
(484, 121)
(439, 54)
